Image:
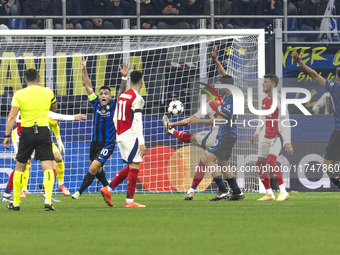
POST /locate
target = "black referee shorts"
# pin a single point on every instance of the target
(332, 151)
(41, 143)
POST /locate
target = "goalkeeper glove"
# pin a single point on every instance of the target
(60, 144)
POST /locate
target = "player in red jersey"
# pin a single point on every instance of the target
(270, 142)
(130, 139)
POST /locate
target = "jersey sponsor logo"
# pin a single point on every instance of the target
(127, 96)
(104, 113)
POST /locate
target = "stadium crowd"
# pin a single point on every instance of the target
(181, 8)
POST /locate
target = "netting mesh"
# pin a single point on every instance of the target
(173, 68)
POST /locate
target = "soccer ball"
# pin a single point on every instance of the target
(176, 108)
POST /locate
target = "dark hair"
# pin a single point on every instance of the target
(31, 75)
(338, 72)
(272, 77)
(136, 77)
(105, 87)
(226, 79)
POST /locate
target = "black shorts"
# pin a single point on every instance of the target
(332, 151)
(101, 151)
(223, 147)
(41, 143)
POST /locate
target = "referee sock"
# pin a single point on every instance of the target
(26, 177)
(48, 185)
(88, 179)
(17, 185)
(199, 175)
(220, 184)
(233, 185)
(9, 186)
(102, 178)
(131, 184)
(182, 136)
(120, 177)
(60, 172)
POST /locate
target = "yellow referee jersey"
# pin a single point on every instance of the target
(34, 103)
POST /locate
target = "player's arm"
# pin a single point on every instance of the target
(10, 124)
(255, 137)
(124, 70)
(57, 116)
(87, 82)
(311, 72)
(285, 132)
(219, 67)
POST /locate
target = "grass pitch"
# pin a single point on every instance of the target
(305, 224)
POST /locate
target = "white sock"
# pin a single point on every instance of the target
(191, 190)
(269, 192)
(6, 195)
(61, 183)
(109, 188)
(171, 131)
(129, 200)
(282, 188)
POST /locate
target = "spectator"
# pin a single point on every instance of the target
(268, 7)
(312, 7)
(147, 7)
(244, 7)
(194, 7)
(118, 8)
(3, 22)
(13, 6)
(96, 8)
(221, 7)
(37, 8)
(172, 7)
(73, 8)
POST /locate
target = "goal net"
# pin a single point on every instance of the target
(175, 64)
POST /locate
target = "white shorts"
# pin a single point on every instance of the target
(129, 151)
(206, 138)
(269, 146)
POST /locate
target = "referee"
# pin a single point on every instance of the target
(34, 103)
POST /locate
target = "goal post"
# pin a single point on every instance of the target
(175, 64)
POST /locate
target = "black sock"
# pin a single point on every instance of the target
(220, 184)
(233, 185)
(334, 178)
(88, 179)
(102, 178)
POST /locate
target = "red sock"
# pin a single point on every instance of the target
(55, 173)
(120, 176)
(9, 186)
(131, 182)
(182, 136)
(264, 175)
(271, 160)
(199, 175)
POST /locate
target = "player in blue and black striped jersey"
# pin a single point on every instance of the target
(104, 131)
(332, 151)
(221, 149)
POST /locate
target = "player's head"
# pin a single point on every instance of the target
(270, 81)
(32, 76)
(136, 78)
(227, 79)
(337, 74)
(104, 95)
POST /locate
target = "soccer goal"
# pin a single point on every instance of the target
(176, 64)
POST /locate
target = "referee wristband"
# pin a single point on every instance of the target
(124, 78)
(7, 136)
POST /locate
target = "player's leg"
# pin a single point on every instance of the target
(218, 178)
(60, 167)
(132, 183)
(180, 135)
(6, 197)
(261, 164)
(274, 152)
(331, 155)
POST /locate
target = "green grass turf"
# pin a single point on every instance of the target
(308, 223)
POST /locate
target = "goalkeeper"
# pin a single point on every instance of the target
(58, 163)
